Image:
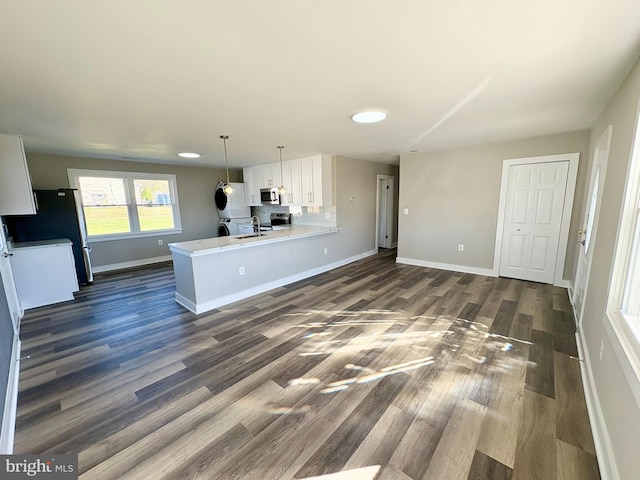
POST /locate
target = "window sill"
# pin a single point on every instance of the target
(130, 236)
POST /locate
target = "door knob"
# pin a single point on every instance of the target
(581, 242)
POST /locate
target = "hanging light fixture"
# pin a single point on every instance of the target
(281, 189)
(227, 189)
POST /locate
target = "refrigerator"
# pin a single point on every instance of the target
(59, 215)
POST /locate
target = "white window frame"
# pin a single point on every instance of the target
(129, 177)
(626, 327)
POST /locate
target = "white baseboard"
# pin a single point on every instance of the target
(489, 272)
(133, 263)
(11, 402)
(188, 304)
(564, 284)
(198, 308)
(601, 439)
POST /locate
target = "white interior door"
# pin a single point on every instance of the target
(385, 212)
(533, 220)
(587, 233)
(382, 214)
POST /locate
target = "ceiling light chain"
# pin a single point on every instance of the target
(227, 189)
(281, 189)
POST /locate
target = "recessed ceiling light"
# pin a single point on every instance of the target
(189, 155)
(369, 116)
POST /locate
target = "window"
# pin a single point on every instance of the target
(127, 204)
(623, 308)
(631, 298)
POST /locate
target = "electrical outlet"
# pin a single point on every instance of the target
(241, 271)
(601, 350)
(461, 248)
(406, 211)
(326, 250)
(160, 242)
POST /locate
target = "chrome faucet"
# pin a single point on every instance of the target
(257, 220)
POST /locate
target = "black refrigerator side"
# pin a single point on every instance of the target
(56, 217)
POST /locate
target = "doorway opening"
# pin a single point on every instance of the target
(384, 212)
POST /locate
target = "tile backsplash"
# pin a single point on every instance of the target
(316, 216)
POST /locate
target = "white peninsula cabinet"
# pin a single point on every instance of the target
(44, 272)
(16, 194)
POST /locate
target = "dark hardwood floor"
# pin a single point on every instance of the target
(427, 374)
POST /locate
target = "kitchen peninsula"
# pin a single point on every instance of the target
(217, 271)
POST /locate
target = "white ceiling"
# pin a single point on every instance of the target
(149, 79)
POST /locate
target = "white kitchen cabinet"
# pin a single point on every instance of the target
(251, 186)
(316, 180)
(266, 176)
(44, 272)
(260, 176)
(285, 200)
(8, 282)
(309, 181)
(270, 174)
(294, 183)
(16, 194)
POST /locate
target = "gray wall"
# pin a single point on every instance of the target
(196, 186)
(453, 195)
(620, 410)
(357, 217)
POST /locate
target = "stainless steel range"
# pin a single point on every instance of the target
(278, 220)
(275, 220)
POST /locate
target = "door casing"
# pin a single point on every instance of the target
(584, 257)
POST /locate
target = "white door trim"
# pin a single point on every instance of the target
(572, 176)
(378, 178)
(599, 161)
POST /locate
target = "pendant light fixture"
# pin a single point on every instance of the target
(281, 189)
(227, 189)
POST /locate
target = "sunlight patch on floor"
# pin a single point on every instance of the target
(366, 473)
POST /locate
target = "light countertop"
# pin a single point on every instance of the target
(207, 246)
(39, 243)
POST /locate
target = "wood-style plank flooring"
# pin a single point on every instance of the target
(414, 372)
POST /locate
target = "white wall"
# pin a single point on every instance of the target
(356, 185)
(618, 411)
(453, 197)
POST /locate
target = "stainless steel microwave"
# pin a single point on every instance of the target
(269, 196)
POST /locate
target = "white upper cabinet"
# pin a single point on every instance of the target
(292, 183)
(16, 194)
(251, 186)
(270, 175)
(316, 180)
(308, 181)
(294, 187)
